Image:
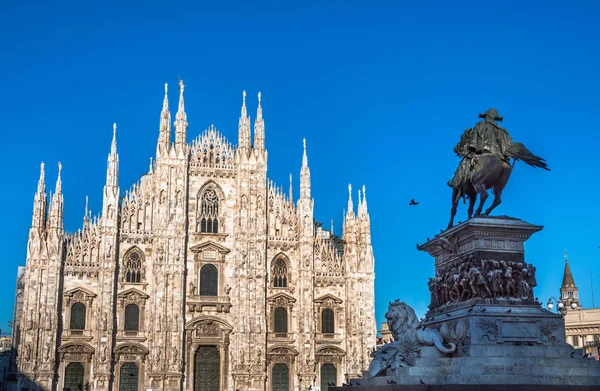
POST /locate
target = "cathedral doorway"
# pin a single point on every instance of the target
(129, 377)
(74, 376)
(281, 377)
(328, 376)
(207, 369)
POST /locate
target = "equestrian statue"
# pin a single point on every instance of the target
(486, 152)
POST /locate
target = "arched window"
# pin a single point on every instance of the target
(77, 316)
(281, 320)
(74, 376)
(132, 318)
(327, 321)
(209, 280)
(209, 211)
(280, 274)
(132, 266)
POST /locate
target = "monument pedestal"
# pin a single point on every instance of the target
(482, 302)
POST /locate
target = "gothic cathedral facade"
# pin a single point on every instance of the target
(204, 275)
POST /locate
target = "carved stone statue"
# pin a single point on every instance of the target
(408, 337)
(174, 356)
(103, 354)
(27, 354)
(486, 151)
(104, 322)
(48, 322)
(46, 351)
(192, 288)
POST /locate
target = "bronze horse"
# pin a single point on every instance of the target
(489, 171)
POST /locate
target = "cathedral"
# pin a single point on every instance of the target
(203, 276)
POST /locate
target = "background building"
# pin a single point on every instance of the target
(203, 275)
(582, 325)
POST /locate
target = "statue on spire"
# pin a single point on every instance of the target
(181, 86)
(486, 152)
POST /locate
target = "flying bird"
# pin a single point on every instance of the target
(413, 202)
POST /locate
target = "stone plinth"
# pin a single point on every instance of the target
(482, 302)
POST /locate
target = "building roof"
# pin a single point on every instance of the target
(568, 281)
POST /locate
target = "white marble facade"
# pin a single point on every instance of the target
(203, 275)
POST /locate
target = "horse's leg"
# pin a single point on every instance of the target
(472, 199)
(455, 200)
(499, 186)
(483, 195)
(497, 200)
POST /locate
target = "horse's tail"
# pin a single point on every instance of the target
(520, 152)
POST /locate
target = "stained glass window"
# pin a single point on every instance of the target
(327, 321)
(132, 266)
(209, 280)
(209, 211)
(281, 321)
(74, 376)
(132, 318)
(77, 316)
(281, 377)
(129, 377)
(280, 274)
(328, 376)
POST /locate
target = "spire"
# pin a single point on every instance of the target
(39, 201)
(244, 128)
(164, 136)
(180, 119)
(55, 218)
(259, 128)
(59, 181)
(291, 194)
(41, 189)
(362, 202)
(86, 213)
(151, 169)
(113, 145)
(568, 281)
(350, 204)
(304, 175)
(112, 170)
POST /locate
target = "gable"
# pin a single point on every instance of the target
(132, 292)
(209, 245)
(329, 298)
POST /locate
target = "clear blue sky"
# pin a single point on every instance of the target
(381, 90)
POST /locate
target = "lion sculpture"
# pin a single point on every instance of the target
(408, 337)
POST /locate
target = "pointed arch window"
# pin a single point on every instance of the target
(133, 266)
(209, 280)
(327, 321)
(209, 211)
(77, 317)
(132, 318)
(280, 273)
(281, 320)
